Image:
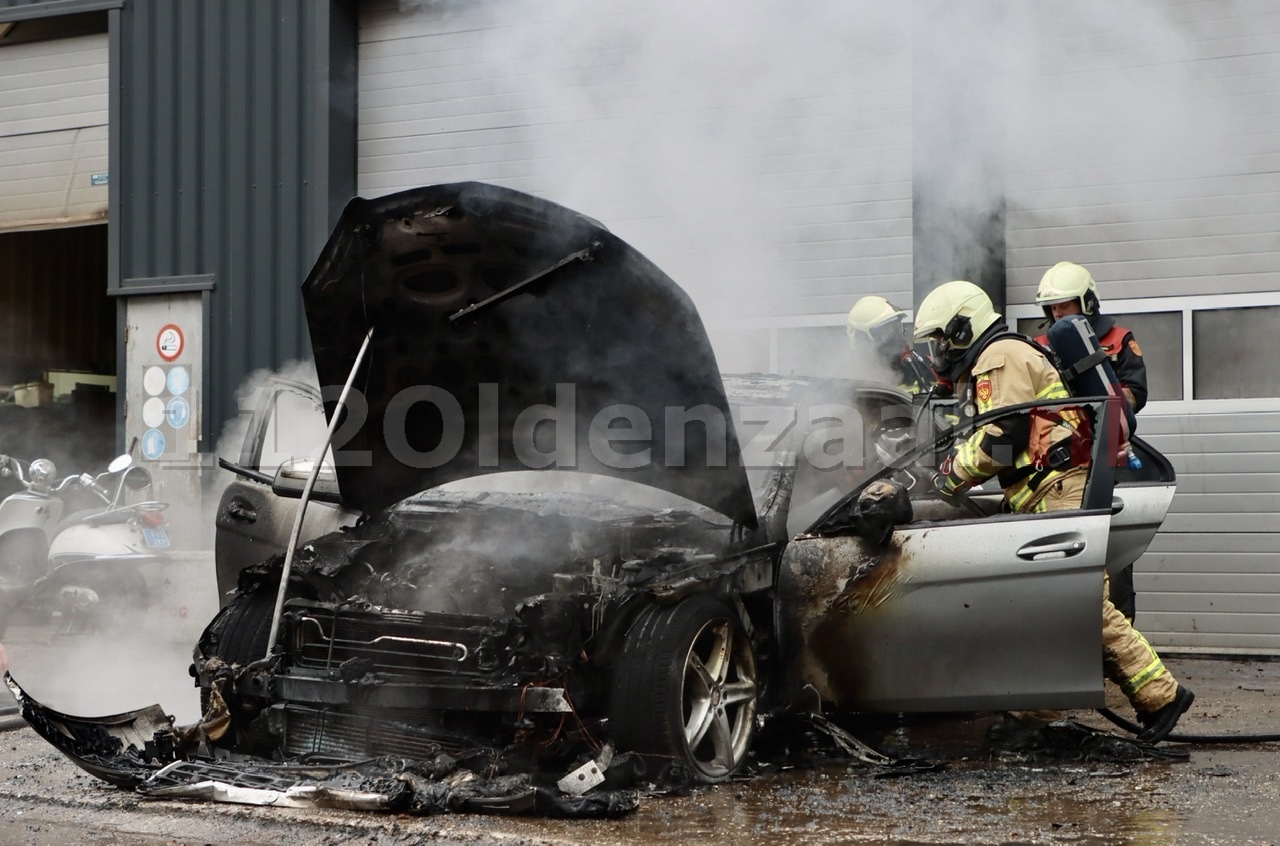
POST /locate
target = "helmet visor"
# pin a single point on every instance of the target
(1048, 301)
(939, 345)
(888, 334)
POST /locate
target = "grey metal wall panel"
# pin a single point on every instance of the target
(823, 192)
(1145, 148)
(234, 156)
(1148, 153)
(1211, 577)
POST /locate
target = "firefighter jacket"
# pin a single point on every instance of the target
(1124, 353)
(1019, 450)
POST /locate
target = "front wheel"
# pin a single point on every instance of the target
(686, 688)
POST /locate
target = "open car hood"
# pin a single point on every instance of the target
(494, 311)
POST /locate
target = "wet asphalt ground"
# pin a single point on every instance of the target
(1216, 794)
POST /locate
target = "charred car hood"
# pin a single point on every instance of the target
(511, 333)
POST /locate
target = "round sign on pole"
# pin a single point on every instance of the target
(169, 342)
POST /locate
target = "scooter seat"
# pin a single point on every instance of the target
(93, 517)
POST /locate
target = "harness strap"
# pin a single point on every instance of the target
(1093, 359)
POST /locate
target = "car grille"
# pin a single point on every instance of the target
(402, 643)
(336, 734)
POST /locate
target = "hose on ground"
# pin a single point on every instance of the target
(1176, 737)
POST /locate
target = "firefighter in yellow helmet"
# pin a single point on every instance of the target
(993, 368)
(1068, 288)
(876, 333)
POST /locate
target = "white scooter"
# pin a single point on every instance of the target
(85, 567)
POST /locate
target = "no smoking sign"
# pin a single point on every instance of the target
(169, 342)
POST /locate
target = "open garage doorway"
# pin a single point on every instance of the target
(57, 348)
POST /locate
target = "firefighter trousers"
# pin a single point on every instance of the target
(1131, 662)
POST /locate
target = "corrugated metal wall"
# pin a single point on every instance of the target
(232, 152)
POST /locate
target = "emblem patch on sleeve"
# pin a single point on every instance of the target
(1133, 346)
(983, 389)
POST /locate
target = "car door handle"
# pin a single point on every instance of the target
(1117, 505)
(1046, 550)
(240, 510)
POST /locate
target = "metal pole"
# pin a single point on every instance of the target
(306, 494)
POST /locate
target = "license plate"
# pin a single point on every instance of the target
(156, 538)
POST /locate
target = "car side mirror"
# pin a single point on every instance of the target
(880, 507)
(291, 479)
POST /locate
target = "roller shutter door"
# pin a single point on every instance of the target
(53, 133)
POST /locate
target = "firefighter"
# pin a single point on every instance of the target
(1067, 288)
(1033, 460)
(875, 328)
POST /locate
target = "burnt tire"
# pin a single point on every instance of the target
(242, 635)
(246, 628)
(686, 688)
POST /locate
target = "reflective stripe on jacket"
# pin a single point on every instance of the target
(1008, 372)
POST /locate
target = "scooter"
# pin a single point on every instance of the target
(85, 568)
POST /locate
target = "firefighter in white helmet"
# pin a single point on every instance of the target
(1068, 288)
(876, 333)
(1033, 459)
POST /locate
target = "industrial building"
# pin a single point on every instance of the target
(169, 170)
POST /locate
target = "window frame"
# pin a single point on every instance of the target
(1187, 306)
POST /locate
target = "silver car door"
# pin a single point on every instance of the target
(975, 614)
(932, 607)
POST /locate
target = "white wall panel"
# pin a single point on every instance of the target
(769, 181)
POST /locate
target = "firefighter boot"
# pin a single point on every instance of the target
(1157, 724)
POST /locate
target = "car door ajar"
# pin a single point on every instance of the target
(952, 612)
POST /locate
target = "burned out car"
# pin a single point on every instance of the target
(551, 537)
(634, 608)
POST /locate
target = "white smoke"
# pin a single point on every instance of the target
(762, 153)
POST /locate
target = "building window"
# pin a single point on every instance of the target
(1159, 336)
(1235, 353)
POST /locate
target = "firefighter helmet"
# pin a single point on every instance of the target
(874, 323)
(951, 318)
(1064, 282)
